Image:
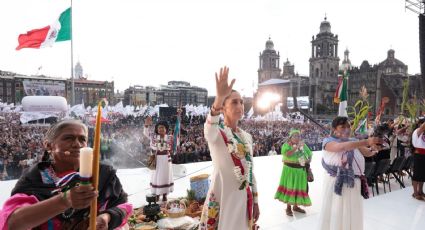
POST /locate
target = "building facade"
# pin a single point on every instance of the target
(272, 79)
(269, 63)
(383, 80)
(324, 67)
(140, 96)
(13, 87)
(90, 92)
(175, 93)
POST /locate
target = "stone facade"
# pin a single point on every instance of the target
(383, 80)
(324, 67)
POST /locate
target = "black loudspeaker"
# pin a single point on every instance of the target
(165, 112)
(422, 47)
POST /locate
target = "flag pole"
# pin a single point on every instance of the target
(72, 66)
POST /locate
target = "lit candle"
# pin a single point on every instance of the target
(86, 162)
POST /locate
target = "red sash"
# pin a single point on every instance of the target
(420, 151)
(237, 162)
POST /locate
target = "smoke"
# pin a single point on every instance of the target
(128, 149)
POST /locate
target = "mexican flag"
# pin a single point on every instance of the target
(362, 128)
(341, 96)
(59, 31)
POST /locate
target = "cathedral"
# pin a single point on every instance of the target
(382, 80)
(323, 72)
(272, 79)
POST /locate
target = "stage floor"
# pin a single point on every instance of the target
(393, 210)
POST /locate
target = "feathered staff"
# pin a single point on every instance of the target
(384, 102)
(360, 109)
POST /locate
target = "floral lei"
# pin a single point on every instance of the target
(162, 143)
(239, 149)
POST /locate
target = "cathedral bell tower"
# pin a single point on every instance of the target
(324, 66)
(269, 63)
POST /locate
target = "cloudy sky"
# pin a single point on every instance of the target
(150, 42)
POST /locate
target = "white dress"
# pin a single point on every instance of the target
(345, 211)
(162, 177)
(225, 205)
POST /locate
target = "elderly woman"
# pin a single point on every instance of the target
(38, 203)
(292, 188)
(232, 201)
(418, 144)
(161, 143)
(343, 161)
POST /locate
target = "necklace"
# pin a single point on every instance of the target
(238, 147)
(49, 176)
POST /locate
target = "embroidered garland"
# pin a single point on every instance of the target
(239, 149)
(162, 143)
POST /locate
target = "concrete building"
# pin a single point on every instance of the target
(174, 94)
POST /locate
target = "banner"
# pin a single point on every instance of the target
(290, 102)
(33, 116)
(43, 88)
(303, 102)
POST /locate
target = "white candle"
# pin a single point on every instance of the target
(86, 162)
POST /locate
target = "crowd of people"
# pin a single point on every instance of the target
(20, 146)
(123, 145)
(223, 137)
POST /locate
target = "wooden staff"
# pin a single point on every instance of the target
(95, 174)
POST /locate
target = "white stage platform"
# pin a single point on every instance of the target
(394, 210)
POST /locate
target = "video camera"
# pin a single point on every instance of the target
(383, 131)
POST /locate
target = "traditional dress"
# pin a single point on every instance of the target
(293, 181)
(162, 177)
(418, 157)
(233, 191)
(342, 206)
(39, 183)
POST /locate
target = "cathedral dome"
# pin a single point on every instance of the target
(325, 27)
(269, 44)
(391, 61)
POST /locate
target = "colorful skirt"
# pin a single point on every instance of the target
(293, 187)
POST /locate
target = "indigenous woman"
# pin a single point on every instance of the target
(418, 142)
(161, 144)
(37, 201)
(292, 188)
(344, 163)
(232, 201)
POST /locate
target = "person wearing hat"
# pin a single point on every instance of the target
(293, 189)
(161, 144)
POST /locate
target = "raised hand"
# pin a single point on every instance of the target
(222, 85)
